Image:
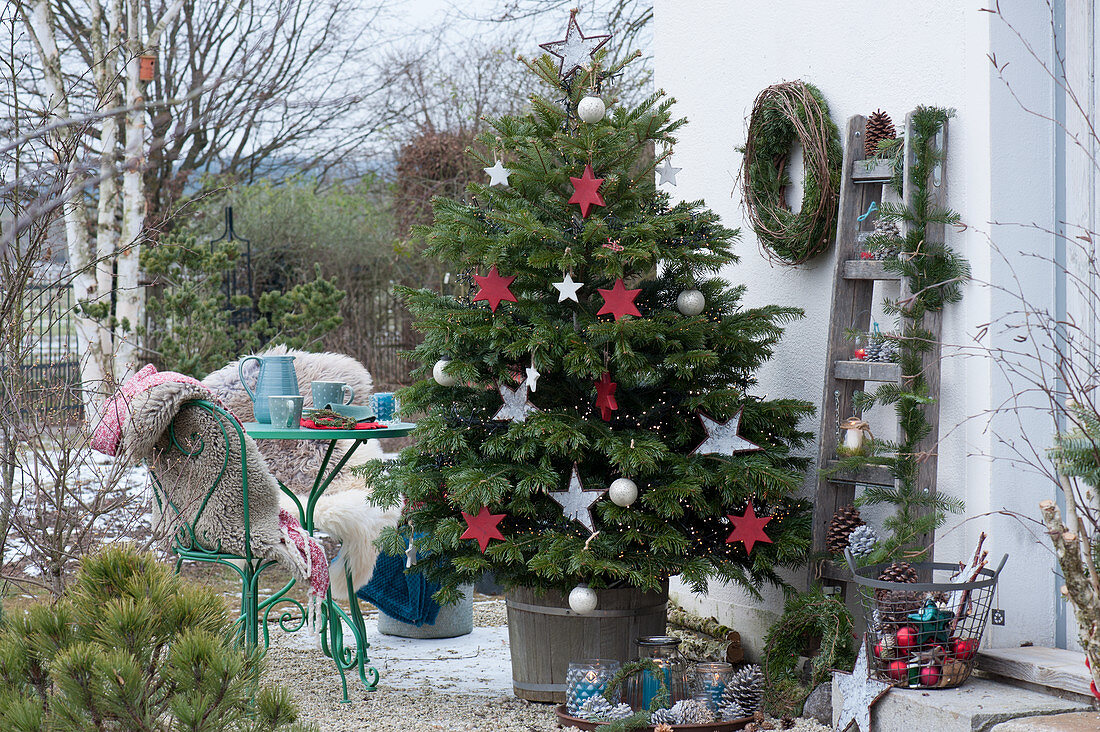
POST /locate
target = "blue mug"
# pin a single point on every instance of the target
(384, 405)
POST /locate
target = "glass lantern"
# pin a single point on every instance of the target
(586, 679)
(664, 651)
(710, 682)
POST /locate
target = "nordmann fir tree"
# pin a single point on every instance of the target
(569, 366)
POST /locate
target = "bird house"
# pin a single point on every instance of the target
(147, 66)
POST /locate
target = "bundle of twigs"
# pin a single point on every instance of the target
(783, 114)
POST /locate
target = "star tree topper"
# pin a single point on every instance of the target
(576, 503)
(516, 405)
(493, 288)
(861, 691)
(722, 437)
(619, 301)
(748, 528)
(482, 527)
(586, 191)
(575, 50)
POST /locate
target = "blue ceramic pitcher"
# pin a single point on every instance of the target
(277, 378)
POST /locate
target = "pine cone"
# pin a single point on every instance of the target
(662, 716)
(899, 572)
(692, 711)
(886, 227)
(662, 727)
(862, 541)
(845, 520)
(873, 352)
(879, 127)
(895, 605)
(745, 690)
(619, 711)
(730, 712)
(595, 707)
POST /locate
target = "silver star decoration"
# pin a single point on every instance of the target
(410, 555)
(667, 173)
(722, 437)
(860, 691)
(567, 289)
(498, 174)
(576, 51)
(532, 377)
(516, 407)
(576, 503)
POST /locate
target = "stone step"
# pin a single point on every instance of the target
(1075, 722)
(976, 706)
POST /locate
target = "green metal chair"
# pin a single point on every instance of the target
(190, 541)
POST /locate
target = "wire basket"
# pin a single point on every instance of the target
(924, 635)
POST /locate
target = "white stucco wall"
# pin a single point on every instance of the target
(714, 57)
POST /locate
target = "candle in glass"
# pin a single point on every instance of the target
(586, 679)
(711, 680)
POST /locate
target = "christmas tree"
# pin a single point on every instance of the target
(586, 411)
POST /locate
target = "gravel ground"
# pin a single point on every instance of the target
(315, 685)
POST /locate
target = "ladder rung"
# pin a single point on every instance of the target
(835, 571)
(870, 475)
(872, 171)
(867, 371)
(868, 269)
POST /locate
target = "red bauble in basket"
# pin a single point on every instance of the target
(964, 648)
(930, 675)
(907, 638)
(898, 670)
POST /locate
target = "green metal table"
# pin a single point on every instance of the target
(333, 617)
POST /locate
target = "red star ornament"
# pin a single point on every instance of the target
(586, 191)
(482, 527)
(619, 301)
(748, 529)
(605, 396)
(494, 288)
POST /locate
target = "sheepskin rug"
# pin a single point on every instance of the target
(344, 512)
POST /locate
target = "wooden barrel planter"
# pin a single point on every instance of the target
(545, 635)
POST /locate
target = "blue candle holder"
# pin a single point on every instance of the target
(586, 679)
(710, 682)
(385, 406)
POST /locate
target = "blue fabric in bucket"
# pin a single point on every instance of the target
(405, 597)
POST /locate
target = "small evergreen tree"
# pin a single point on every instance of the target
(133, 647)
(617, 395)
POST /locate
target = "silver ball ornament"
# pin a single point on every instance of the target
(442, 377)
(623, 492)
(591, 110)
(582, 599)
(691, 302)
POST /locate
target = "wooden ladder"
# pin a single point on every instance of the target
(854, 294)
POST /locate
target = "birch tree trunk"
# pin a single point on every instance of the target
(130, 293)
(42, 27)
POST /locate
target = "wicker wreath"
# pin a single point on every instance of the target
(783, 114)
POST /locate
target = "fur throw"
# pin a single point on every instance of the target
(344, 511)
(185, 480)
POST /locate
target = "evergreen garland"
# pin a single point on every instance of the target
(668, 367)
(935, 275)
(783, 114)
(810, 618)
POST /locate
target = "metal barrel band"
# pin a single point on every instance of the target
(544, 610)
(524, 686)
